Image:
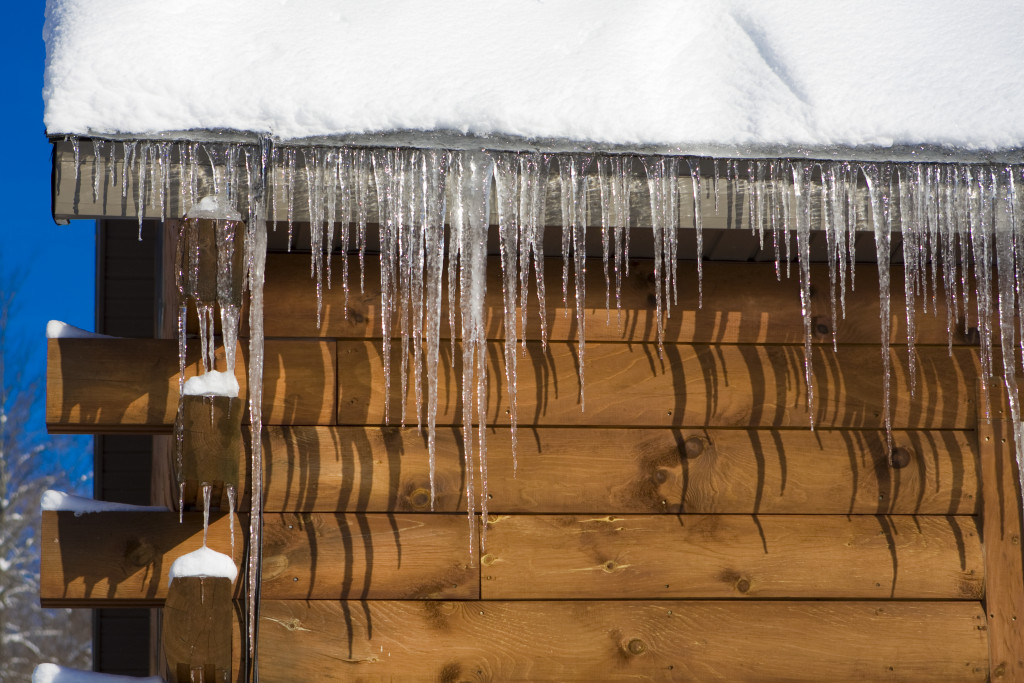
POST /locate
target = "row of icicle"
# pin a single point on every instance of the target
(962, 227)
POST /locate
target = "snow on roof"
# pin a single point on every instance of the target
(701, 75)
(66, 502)
(53, 673)
(204, 562)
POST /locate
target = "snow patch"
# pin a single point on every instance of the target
(214, 206)
(59, 501)
(212, 383)
(731, 73)
(53, 673)
(55, 329)
(204, 562)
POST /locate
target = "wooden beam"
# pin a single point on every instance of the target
(742, 303)
(567, 470)
(732, 556)
(212, 451)
(197, 629)
(1001, 529)
(690, 386)
(623, 640)
(122, 559)
(131, 385)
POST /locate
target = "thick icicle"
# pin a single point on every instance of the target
(802, 190)
(664, 196)
(879, 187)
(507, 182)
(474, 175)
(256, 257)
(572, 175)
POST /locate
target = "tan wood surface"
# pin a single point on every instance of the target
(112, 559)
(212, 449)
(197, 630)
(131, 385)
(743, 303)
(692, 385)
(1001, 529)
(667, 640)
(568, 470)
(732, 556)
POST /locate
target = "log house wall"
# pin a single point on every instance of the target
(688, 524)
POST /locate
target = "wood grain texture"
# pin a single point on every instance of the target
(692, 385)
(597, 470)
(732, 556)
(742, 303)
(367, 556)
(113, 559)
(131, 385)
(121, 558)
(1001, 529)
(198, 625)
(667, 640)
(212, 451)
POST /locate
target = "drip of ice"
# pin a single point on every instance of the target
(664, 197)
(802, 189)
(207, 490)
(474, 171)
(232, 505)
(507, 181)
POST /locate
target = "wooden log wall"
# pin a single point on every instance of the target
(686, 525)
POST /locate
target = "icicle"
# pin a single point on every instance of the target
(207, 489)
(911, 232)
(78, 163)
(383, 168)
(695, 181)
(96, 157)
(662, 184)
(232, 505)
(802, 191)
(362, 170)
(532, 193)
(833, 244)
(572, 177)
(507, 181)
(878, 182)
(435, 172)
(256, 256)
(475, 171)
(714, 166)
(291, 171)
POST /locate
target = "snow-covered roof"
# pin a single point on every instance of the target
(725, 77)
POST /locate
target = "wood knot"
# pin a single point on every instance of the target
(822, 326)
(660, 476)
(139, 553)
(900, 457)
(743, 585)
(636, 647)
(693, 446)
(419, 499)
(355, 316)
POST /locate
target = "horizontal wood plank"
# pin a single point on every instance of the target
(111, 559)
(691, 385)
(131, 385)
(732, 556)
(122, 559)
(568, 470)
(623, 640)
(742, 303)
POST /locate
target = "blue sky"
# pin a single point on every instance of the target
(53, 266)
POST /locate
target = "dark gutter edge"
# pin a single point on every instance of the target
(450, 139)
